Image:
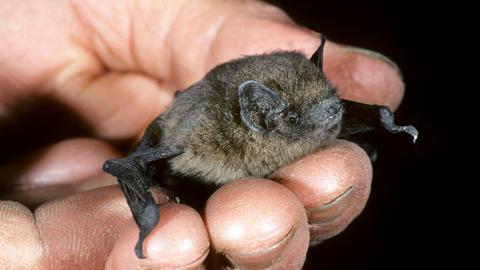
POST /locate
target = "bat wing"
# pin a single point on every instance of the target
(359, 117)
(134, 176)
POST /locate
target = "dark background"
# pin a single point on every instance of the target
(401, 224)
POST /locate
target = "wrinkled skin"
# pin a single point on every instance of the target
(117, 64)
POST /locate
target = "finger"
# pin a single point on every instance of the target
(78, 232)
(364, 75)
(58, 170)
(179, 241)
(333, 185)
(118, 106)
(20, 242)
(257, 224)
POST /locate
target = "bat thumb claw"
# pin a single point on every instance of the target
(118, 167)
(110, 165)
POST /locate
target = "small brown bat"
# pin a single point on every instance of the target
(245, 118)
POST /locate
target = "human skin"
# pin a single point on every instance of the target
(117, 64)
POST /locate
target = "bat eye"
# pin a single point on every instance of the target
(292, 118)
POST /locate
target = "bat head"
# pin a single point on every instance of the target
(308, 107)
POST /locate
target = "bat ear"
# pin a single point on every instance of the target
(317, 57)
(260, 107)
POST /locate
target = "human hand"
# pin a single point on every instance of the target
(117, 64)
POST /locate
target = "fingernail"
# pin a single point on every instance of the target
(317, 216)
(333, 184)
(364, 75)
(261, 259)
(328, 220)
(374, 54)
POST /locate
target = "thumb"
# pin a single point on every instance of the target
(149, 50)
(117, 105)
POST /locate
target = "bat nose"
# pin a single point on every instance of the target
(325, 111)
(334, 108)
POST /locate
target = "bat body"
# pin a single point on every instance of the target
(245, 118)
(220, 144)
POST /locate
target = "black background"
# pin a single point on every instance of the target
(401, 225)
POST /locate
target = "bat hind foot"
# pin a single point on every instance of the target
(146, 223)
(388, 122)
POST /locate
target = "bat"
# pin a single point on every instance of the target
(245, 118)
